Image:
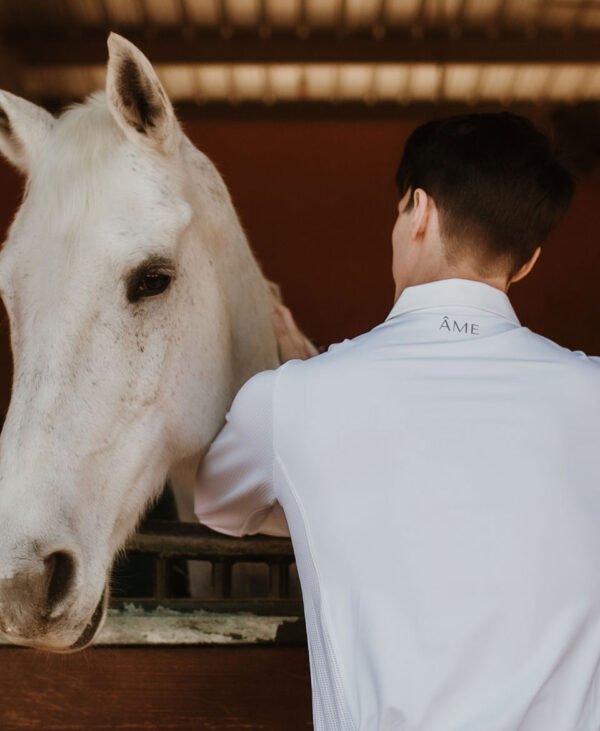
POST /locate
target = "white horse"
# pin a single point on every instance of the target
(137, 311)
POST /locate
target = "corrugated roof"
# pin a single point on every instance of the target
(279, 51)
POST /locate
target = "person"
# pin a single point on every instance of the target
(439, 475)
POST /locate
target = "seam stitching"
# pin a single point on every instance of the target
(328, 628)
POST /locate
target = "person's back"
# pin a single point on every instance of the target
(440, 474)
(437, 478)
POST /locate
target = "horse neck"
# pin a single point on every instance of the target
(249, 346)
(244, 291)
(249, 304)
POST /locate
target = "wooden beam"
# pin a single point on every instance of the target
(9, 70)
(37, 47)
(136, 688)
(167, 539)
(306, 110)
(351, 111)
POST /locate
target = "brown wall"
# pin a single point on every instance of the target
(318, 202)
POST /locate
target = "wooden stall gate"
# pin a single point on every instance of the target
(169, 661)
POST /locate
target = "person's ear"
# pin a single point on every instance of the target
(526, 268)
(420, 214)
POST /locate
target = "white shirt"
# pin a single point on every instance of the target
(440, 478)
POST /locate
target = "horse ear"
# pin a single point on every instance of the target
(23, 130)
(136, 97)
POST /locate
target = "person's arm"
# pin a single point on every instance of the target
(234, 486)
(234, 491)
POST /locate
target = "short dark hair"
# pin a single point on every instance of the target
(495, 180)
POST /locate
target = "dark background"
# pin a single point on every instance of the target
(318, 202)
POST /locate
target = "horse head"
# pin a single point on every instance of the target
(136, 311)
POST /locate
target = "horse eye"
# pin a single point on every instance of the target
(153, 284)
(147, 283)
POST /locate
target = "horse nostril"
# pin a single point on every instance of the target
(60, 573)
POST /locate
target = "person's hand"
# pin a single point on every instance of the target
(291, 342)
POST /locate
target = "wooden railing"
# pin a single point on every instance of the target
(222, 616)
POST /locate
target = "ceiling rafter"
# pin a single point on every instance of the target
(171, 46)
(223, 51)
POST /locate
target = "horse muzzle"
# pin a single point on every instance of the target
(41, 605)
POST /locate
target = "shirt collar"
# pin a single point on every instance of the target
(454, 293)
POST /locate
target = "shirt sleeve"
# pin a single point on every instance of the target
(234, 490)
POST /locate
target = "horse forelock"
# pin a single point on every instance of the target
(69, 178)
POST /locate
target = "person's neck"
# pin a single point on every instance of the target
(450, 273)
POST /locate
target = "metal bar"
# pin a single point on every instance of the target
(474, 98)
(578, 14)
(440, 90)
(223, 21)
(162, 578)
(187, 26)
(264, 27)
(343, 26)
(583, 83)
(379, 28)
(105, 13)
(336, 90)
(268, 96)
(303, 27)
(418, 23)
(532, 25)
(398, 46)
(143, 14)
(371, 96)
(544, 92)
(184, 16)
(278, 580)
(232, 95)
(404, 88)
(221, 579)
(199, 95)
(499, 22)
(456, 25)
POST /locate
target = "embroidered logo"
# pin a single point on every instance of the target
(465, 328)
